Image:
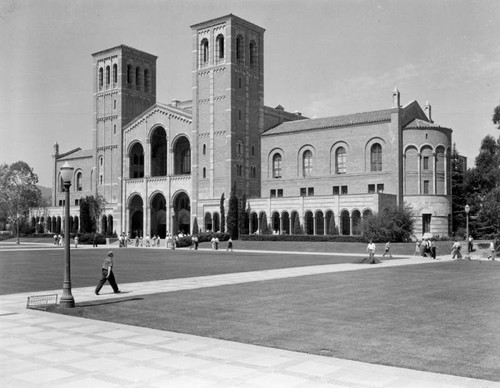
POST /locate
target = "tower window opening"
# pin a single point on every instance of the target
(101, 77)
(219, 42)
(129, 74)
(107, 75)
(239, 49)
(146, 81)
(253, 54)
(115, 73)
(204, 51)
(137, 77)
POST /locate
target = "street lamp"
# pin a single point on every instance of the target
(467, 209)
(17, 226)
(67, 299)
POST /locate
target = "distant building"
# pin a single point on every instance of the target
(159, 166)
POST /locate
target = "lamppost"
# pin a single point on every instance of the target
(67, 299)
(17, 226)
(467, 209)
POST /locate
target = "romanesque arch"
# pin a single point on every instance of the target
(182, 156)
(182, 214)
(158, 152)
(308, 223)
(158, 215)
(345, 223)
(136, 216)
(320, 223)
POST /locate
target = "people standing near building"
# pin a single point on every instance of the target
(471, 243)
(492, 251)
(433, 248)
(94, 240)
(387, 249)
(371, 251)
(455, 250)
(417, 248)
(107, 274)
(229, 244)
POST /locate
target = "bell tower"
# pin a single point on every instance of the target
(124, 87)
(228, 108)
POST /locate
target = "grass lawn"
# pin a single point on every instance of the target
(440, 318)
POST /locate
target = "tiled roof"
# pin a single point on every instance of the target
(418, 123)
(76, 153)
(329, 122)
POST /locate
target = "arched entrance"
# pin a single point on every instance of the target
(182, 214)
(158, 215)
(136, 216)
(159, 153)
(345, 223)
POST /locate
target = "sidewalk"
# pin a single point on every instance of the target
(51, 350)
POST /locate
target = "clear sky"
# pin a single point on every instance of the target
(322, 58)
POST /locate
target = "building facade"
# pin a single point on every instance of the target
(159, 167)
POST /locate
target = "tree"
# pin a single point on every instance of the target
(91, 209)
(232, 215)
(222, 214)
(496, 116)
(264, 228)
(481, 184)
(458, 170)
(296, 228)
(195, 227)
(243, 216)
(390, 224)
(18, 191)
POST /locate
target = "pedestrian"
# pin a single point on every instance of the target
(76, 241)
(417, 249)
(229, 244)
(387, 249)
(455, 250)
(136, 240)
(107, 274)
(94, 240)
(492, 251)
(371, 251)
(433, 249)
(216, 243)
(213, 243)
(471, 244)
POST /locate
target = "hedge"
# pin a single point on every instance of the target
(300, 237)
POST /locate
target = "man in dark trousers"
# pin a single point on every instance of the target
(107, 274)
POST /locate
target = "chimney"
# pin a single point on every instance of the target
(428, 111)
(175, 102)
(56, 149)
(396, 103)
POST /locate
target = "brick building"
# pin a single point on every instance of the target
(161, 166)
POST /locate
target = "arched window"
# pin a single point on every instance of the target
(219, 43)
(137, 77)
(146, 80)
(136, 161)
(277, 166)
(239, 49)
(115, 73)
(79, 186)
(159, 158)
(204, 172)
(129, 74)
(204, 149)
(307, 163)
(101, 77)
(204, 51)
(100, 179)
(107, 75)
(182, 156)
(376, 157)
(253, 54)
(340, 161)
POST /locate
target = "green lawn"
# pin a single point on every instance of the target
(440, 318)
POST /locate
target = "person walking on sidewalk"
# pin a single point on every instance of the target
(387, 250)
(371, 251)
(107, 274)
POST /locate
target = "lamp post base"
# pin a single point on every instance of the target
(67, 302)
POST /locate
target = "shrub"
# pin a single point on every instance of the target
(88, 238)
(300, 237)
(390, 224)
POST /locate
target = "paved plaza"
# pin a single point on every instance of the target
(43, 349)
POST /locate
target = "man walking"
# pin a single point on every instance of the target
(107, 274)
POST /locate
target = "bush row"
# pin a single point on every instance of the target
(301, 237)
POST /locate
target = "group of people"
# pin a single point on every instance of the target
(425, 247)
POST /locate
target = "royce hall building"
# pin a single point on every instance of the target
(161, 166)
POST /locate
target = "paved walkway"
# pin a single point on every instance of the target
(52, 350)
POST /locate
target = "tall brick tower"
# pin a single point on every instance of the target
(228, 108)
(124, 87)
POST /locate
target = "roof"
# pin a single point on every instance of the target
(418, 123)
(75, 154)
(335, 121)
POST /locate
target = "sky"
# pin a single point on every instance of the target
(321, 58)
